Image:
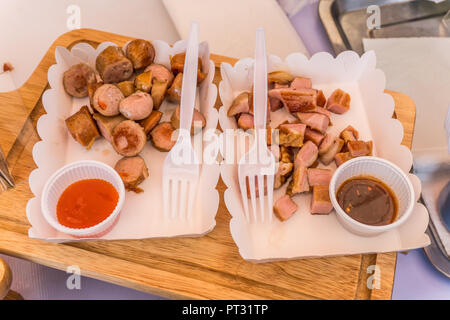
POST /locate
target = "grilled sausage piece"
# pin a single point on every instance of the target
(160, 73)
(151, 121)
(161, 136)
(174, 92)
(107, 99)
(133, 171)
(177, 64)
(159, 90)
(106, 125)
(82, 127)
(113, 66)
(198, 120)
(138, 106)
(162, 78)
(77, 78)
(127, 87)
(92, 87)
(128, 138)
(140, 52)
(143, 82)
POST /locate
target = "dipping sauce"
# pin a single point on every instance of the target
(368, 200)
(86, 203)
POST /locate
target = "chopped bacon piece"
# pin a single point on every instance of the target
(303, 100)
(342, 157)
(286, 154)
(347, 136)
(319, 177)
(299, 182)
(245, 121)
(301, 83)
(284, 208)
(338, 102)
(291, 134)
(323, 111)
(353, 131)
(314, 136)
(283, 172)
(327, 157)
(307, 155)
(326, 144)
(280, 85)
(316, 121)
(275, 104)
(359, 148)
(320, 201)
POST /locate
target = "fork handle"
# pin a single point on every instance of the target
(189, 85)
(260, 85)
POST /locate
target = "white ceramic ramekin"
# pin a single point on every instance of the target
(69, 174)
(385, 171)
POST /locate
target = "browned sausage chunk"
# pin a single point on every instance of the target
(107, 99)
(106, 125)
(162, 138)
(133, 171)
(138, 106)
(160, 73)
(92, 87)
(127, 87)
(177, 63)
(113, 66)
(82, 127)
(128, 138)
(162, 78)
(159, 90)
(77, 79)
(240, 105)
(151, 121)
(140, 52)
(174, 92)
(143, 81)
(198, 120)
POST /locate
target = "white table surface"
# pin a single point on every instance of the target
(415, 277)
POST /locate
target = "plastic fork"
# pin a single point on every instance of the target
(181, 166)
(258, 165)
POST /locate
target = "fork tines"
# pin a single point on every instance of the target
(178, 198)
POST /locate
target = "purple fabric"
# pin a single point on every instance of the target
(310, 29)
(416, 278)
(37, 282)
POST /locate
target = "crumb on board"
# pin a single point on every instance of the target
(7, 66)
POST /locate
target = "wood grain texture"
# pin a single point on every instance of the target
(5, 279)
(209, 267)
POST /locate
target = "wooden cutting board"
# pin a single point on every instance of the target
(209, 267)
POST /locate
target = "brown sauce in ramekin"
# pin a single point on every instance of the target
(368, 200)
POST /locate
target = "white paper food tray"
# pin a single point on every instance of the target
(305, 235)
(142, 215)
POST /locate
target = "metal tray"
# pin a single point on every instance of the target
(345, 21)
